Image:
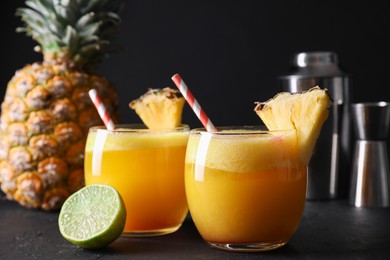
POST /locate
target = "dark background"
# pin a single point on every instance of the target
(229, 53)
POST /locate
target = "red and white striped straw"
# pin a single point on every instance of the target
(103, 113)
(187, 94)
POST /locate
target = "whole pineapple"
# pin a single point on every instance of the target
(46, 111)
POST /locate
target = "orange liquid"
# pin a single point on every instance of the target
(246, 191)
(251, 207)
(148, 172)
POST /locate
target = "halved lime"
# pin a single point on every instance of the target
(93, 217)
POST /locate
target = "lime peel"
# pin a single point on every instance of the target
(93, 217)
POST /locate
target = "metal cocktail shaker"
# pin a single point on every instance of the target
(328, 169)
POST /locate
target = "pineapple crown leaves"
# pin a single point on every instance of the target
(80, 30)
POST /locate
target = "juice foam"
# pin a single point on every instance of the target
(126, 141)
(249, 153)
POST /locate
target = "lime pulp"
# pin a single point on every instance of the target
(93, 217)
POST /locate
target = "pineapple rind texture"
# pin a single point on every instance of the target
(305, 112)
(46, 111)
(45, 117)
(159, 109)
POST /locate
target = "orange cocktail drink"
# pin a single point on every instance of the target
(245, 187)
(147, 169)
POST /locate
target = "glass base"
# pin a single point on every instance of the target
(252, 247)
(150, 233)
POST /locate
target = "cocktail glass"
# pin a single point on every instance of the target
(245, 186)
(147, 169)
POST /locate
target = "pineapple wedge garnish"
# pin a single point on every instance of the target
(159, 109)
(305, 112)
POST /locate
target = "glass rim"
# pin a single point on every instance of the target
(370, 104)
(240, 130)
(138, 128)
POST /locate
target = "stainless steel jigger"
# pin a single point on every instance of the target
(370, 179)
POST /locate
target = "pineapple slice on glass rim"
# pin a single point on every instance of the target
(159, 109)
(304, 111)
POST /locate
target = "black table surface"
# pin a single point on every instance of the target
(329, 230)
